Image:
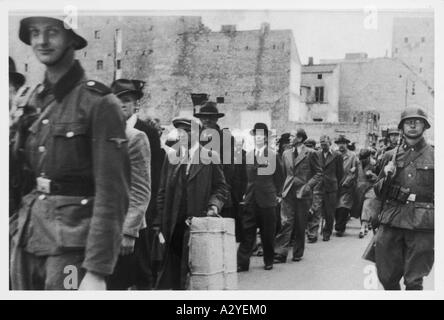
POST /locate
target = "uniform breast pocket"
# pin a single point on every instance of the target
(425, 174)
(71, 145)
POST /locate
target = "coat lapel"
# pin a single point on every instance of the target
(301, 156)
(329, 159)
(196, 166)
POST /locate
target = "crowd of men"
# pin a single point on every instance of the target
(92, 186)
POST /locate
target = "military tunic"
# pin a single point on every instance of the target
(405, 240)
(78, 143)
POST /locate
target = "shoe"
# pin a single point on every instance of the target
(361, 234)
(326, 237)
(296, 259)
(280, 259)
(260, 253)
(268, 267)
(242, 269)
(339, 233)
(312, 240)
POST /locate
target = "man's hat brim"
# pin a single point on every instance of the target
(17, 78)
(209, 114)
(344, 140)
(24, 35)
(137, 93)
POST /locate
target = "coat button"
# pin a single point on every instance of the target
(70, 134)
(84, 202)
(45, 121)
(410, 175)
(90, 83)
(42, 149)
(426, 168)
(42, 197)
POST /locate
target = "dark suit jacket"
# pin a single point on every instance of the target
(333, 172)
(263, 189)
(304, 172)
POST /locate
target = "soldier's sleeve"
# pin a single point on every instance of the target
(111, 175)
(316, 168)
(140, 187)
(377, 187)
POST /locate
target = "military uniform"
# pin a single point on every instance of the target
(78, 154)
(405, 239)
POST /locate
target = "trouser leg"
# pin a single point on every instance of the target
(245, 250)
(282, 241)
(314, 217)
(329, 206)
(267, 223)
(342, 215)
(419, 258)
(389, 253)
(64, 272)
(300, 224)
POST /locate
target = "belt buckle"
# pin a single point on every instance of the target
(412, 197)
(44, 185)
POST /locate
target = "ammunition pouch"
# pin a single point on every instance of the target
(398, 193)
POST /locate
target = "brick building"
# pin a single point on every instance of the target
(413, 43)
(254, 75)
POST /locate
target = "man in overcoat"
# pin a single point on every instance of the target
(191, 185)
(347, 185)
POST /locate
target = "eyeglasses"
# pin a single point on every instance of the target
(411, 122)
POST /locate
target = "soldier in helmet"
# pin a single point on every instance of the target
(405, 238)
(77, 152)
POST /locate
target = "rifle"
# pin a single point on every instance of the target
(370, 251)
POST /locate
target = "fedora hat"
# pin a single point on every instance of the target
(209, 109)
(17, 78)
(342, 139)
(259, 126)
(123, 86)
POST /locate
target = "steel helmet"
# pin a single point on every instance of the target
(24, 35)
(392, 130)
(414, 111)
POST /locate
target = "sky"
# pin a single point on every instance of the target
(320, 34)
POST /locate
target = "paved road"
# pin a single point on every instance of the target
(333, 265)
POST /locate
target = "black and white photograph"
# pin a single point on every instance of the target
(224, 149)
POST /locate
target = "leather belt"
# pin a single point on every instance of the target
(65, 188)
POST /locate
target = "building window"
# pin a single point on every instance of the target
(413, 89)
(144, 53)
(220, 100)
(97, 34)
(319, 94)
(423, 39)
(217, 47)
(320, 76)
(420, 59)
(406, 40)
(274, 46)
(420, 70)
(119, 64)
(396, 50)
(26, 67)
(84, 54)
(318, 119)
(246, 48)
(99, 65)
